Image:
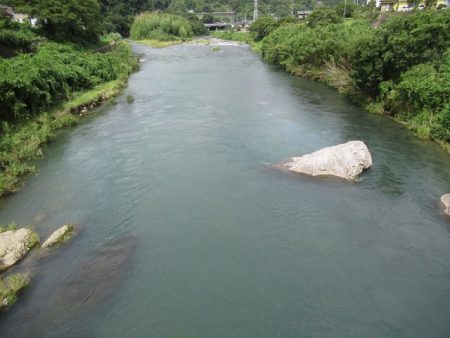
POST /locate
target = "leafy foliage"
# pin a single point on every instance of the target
(323, 16)
(69, 20)
(402, 42)
(16, 35)
(294, 46)
(263, 27)
(159, 26)
(32, 83)
(346, 9)
(422, 95)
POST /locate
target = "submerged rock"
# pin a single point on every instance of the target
(98, 278)
(60, 236)
(345, 161)
(445, 200)
(14, 245)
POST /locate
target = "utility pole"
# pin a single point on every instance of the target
(292, 7)
(255, 10)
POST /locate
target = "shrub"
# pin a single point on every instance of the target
(32, 83)
(69, 20)
(197, 26)
(292, 46)
(263, 27)
(346, 9)
(323, 16)
(402, 42)
(422, 95)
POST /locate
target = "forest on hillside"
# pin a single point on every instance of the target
(118, 14)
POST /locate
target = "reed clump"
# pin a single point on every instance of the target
(160, 26)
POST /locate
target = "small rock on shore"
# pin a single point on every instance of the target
(14, 245)
(59, 236)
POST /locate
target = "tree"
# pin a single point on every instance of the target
(177, 7)
(263, 27)
(346, 9)
(323, 16)
(402, 42)
(72, 20)
(208, 18)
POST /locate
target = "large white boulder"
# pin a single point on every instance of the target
(345, 161)
(445, 200)
(59, 236)
(14, 245)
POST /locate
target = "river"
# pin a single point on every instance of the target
(185, 231)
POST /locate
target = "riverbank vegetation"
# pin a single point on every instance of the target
(162, 29)
(397, 64)
(242, 37)
(10, 287)
(160, 26)
(49, 77)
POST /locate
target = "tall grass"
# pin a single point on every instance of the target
(160, 26)
(10, 287)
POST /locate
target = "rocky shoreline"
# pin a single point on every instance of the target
(15, 245)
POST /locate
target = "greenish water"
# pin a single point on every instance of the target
(186, 232)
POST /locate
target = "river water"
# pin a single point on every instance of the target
(185, 231)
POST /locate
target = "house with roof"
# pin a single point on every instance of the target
(405, 6)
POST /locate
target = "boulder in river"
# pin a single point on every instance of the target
(15, 244)
(345, 161)
(445, 200)
(60, 236)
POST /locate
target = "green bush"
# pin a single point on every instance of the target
(293, 46)
(263, 27)
(346, 9)
(422, 95)
(159, 26)
(69, 20)
(197, 26)
(16, 35)
(31, 83)
(323, 16)
(402, 42)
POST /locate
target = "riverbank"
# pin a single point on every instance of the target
(242, 37)
(158, 43)
(23, 142)
(410, 84)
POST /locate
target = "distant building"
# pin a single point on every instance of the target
(388, 5)
(377, 3)
(404, 6)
